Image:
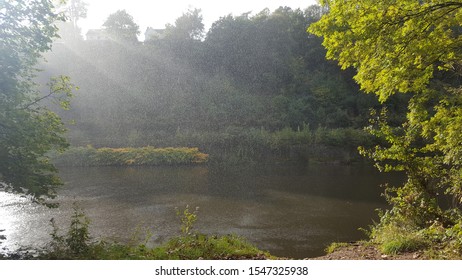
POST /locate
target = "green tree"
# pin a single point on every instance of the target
(411, 47)
(74, 10)
(183, 38)
(187, 27)
(28, 130)
(122, 27)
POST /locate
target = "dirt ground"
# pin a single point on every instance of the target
(359, 251)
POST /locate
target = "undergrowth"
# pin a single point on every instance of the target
(396, 234)
(78, 244)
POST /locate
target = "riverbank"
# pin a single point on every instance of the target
(361, 250)
(365, 250)
(350, 251)
(192, 247)
(76, 243)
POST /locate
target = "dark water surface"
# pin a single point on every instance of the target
(292, 211)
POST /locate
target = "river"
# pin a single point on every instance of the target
(289, 210)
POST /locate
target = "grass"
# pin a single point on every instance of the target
(200, 246)
(76, 244)
(335, 246)
(393, 239)
(401, 240)
(398, 240)
(89, 156)
(192, 247)
(403, 244)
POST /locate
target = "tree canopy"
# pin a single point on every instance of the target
(395, 46)
(121, 26)
(412, 47)
(187, 27)
(248, 73)
(28, 130)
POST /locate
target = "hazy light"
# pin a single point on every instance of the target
(158, 13)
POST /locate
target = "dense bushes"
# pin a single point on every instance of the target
(89, 156)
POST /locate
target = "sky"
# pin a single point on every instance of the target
(158, 13)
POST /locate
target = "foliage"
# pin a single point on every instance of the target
(396, 235)
(187, 27)
(248, 74)
(122, 27)
(89, 156)
(395, 239)
(187, 219)
(191, 247)
(28, 129)
(200, 246)
(77, 244)
(411, 41)
(408, 47)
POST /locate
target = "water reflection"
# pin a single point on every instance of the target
(293, 211)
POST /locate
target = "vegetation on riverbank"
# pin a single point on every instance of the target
(77, 244)
(234, 145)
(369, 250)
(182, 91)
(419, 56)
(89, 156)
(189, 247)
(436, 241)
(387, 240)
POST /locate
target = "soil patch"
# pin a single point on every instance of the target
(360, 251)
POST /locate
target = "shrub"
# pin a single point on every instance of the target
(187, 219)
(76, 243)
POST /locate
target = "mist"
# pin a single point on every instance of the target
(247, 77)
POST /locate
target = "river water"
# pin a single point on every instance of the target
(288, 210)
